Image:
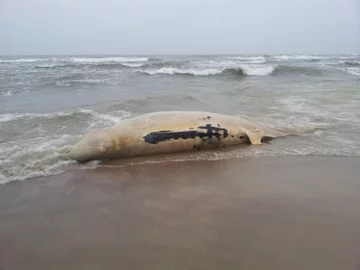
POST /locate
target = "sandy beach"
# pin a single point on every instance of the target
(249, 213)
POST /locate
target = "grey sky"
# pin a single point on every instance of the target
(179, 26)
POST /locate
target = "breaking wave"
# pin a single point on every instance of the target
(311, 57)
(182, 71)
(45, 139)
(89, 65)
(105, 64)
(352, 71)
(248, 70)
(250, 59)
(352, 64)
(297, 57)
(258, 70)
(261, 65)
(69, 62)
(87, 60)
(241, 71)
(8, 93)
(108, 59)
(23, 60)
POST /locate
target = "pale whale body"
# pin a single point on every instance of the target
(167, 132)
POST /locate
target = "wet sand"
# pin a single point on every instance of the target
(251, 213)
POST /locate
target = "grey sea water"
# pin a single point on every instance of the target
(48, 102)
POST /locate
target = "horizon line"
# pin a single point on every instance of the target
(176, 54)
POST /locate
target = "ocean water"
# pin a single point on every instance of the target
(48, 102)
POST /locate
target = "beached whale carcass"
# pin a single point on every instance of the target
(170, 131)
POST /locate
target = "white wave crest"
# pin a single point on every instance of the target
(258, 70)
(352, 70)
(22, 60)
(187, 71)
(220, 64)
(101, 118)
(46, 154)
(250, 59)
(50, 66)
(133, 64)
(108, 59)
(35, 157)
(114, 116)
(297, 57)
(8, 93)
(251, 70)
(15, 116)
(90, 81)
(64, 83)
(68, 83)
(285, 57)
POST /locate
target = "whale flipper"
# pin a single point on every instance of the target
(254, 137)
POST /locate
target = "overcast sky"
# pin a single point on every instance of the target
(179, 26)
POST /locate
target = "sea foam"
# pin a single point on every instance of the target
(41, 153)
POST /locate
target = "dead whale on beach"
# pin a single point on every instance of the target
(170, 132)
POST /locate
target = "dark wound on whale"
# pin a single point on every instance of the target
(160, 136)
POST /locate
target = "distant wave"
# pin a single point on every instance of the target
(249, 59)
(242, 65)
(127, 60)
(107, 62)
(297, 57)
(310, 57)
(63, 61)
(133, 64)
(352, 64)
(108, 59)
(23, 60)
(89, 65)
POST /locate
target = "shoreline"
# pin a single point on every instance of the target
(246, 213)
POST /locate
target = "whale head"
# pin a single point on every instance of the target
(93, 146)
